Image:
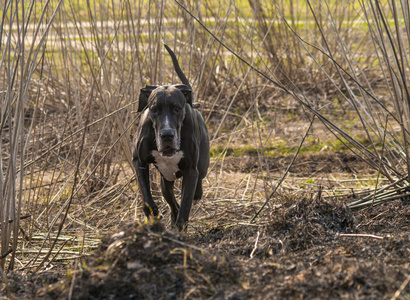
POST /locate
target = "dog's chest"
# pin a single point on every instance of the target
(167, 165)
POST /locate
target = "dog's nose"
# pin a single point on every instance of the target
(167, 134)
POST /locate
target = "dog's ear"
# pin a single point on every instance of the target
(144, 95)
(186, 90)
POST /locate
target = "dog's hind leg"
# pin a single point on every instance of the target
(167, 189)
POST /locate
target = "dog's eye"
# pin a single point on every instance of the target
(154, 109)
(177, 109)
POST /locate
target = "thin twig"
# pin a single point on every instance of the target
(21, 218)
(256, 244)
(401, 288)
(4, 255)
(360, 235)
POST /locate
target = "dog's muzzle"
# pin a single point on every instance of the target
(167, 142)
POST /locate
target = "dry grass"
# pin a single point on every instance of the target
(69, 84)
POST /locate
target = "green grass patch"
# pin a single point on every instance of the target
(283, 149)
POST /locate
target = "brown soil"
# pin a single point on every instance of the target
(302, 251)
(306, 165)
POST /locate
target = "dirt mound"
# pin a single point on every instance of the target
(309, 222)
(293, 226)
(150, 262)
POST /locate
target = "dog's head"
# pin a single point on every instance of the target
(166, 109)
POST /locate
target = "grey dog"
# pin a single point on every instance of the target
(173, 136)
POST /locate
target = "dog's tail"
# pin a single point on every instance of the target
(181, 74)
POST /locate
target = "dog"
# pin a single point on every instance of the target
(173, 136)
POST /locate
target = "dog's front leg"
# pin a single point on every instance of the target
(167, 188)
(142, 170)
(189, 182)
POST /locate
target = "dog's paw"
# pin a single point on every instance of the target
(152, 219)
(181, 225)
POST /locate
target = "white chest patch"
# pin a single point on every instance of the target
(167, 165)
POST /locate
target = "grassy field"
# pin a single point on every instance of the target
(307, 107)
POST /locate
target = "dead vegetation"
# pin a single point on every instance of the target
(308, 116)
